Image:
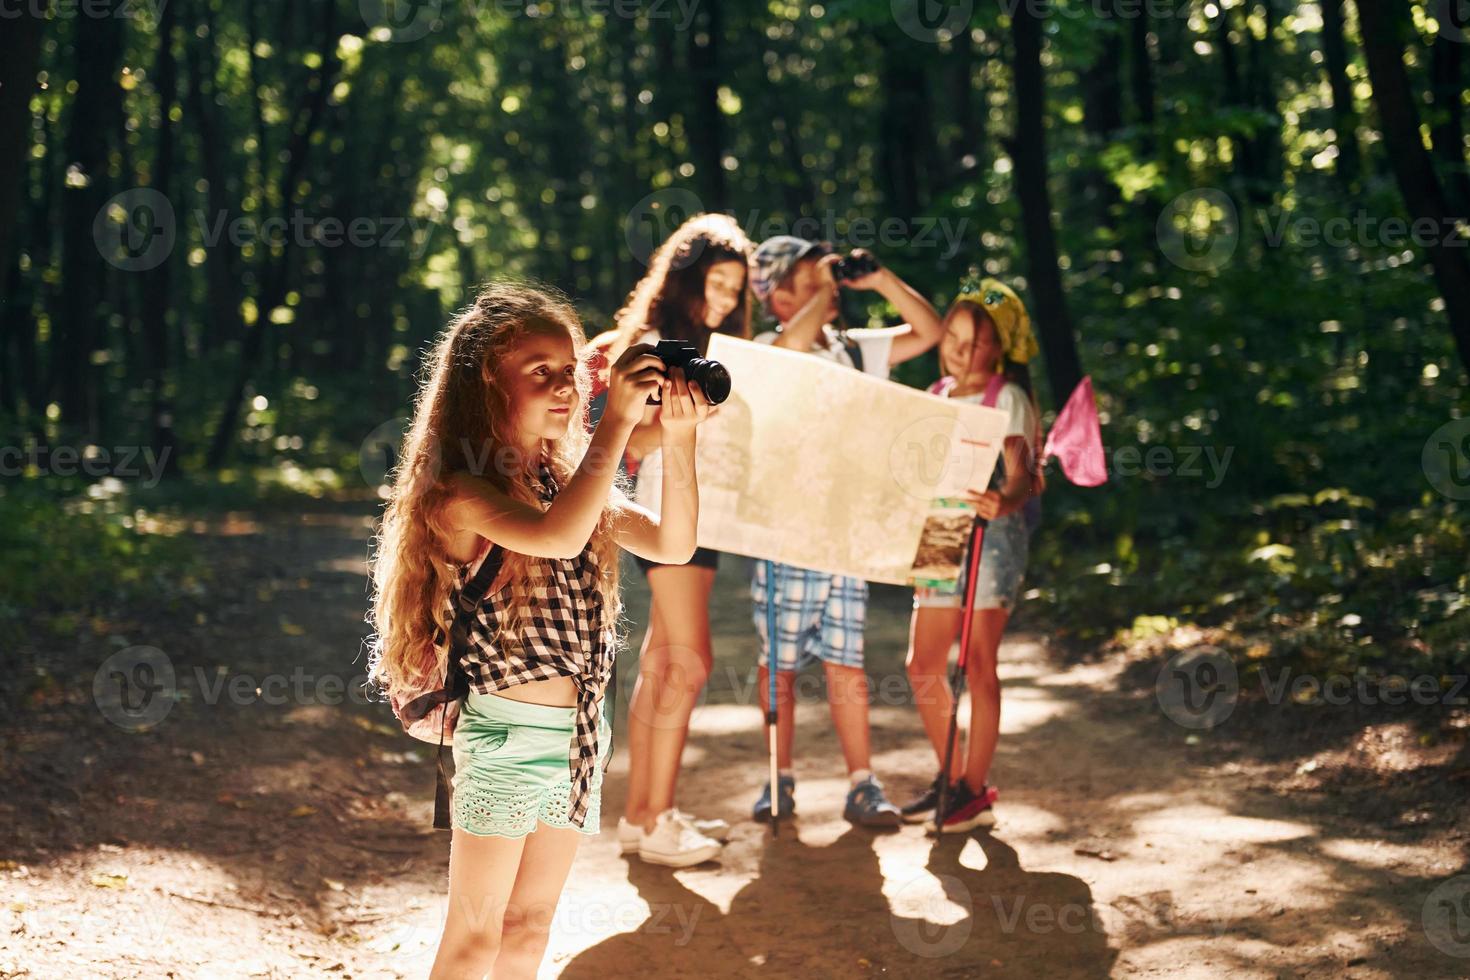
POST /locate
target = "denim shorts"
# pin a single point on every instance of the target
(818, 616)
(1002, 566)
(511, 770)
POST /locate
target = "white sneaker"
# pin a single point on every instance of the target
(675, 844)
(712, 827)
(629, 835)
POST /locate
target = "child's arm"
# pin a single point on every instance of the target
(670, 537)
(563, 529)
(925, 329)
(1013, 494)
(646, 435)
(801, 331)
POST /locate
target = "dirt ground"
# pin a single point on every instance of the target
(287, 833)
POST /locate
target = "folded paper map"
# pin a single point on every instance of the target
(813, 464)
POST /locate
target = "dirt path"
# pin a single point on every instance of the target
(286, 833)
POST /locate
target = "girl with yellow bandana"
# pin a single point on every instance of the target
(984, 355)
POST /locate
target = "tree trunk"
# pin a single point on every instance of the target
(159, 293)
(96, 114)
(966, 108)
(1384, 27)
(20, 50)
(1349, 166)
(1263, 97)
(904, 132)
(1103, 114)
(1141, 78)
(706, 121)
(1447, 131)
(1234, 95)
(1057, 338)
(274, 281)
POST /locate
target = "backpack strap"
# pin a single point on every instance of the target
(456, 681)
(992, 389)
(854, 349)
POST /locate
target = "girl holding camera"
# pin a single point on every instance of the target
(695, 287)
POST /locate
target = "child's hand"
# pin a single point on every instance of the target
(684, 405)
(635, 376)
(873, 280)
(987, 504)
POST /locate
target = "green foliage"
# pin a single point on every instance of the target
(72, 553)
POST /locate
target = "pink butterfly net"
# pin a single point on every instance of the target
(1076, 439)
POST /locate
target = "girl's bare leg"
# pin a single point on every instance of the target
(984, 683)
(482, 874)
(538, 887)
(652, 660)
(681, 596)
(932, 631)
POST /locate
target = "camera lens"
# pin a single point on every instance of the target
(712, 377)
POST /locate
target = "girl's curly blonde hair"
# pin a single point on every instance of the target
(461, 423)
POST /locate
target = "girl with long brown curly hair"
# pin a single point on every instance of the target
(694, 288)
(497, 467)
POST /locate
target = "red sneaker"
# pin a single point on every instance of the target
(966, 809)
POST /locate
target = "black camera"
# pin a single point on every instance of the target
(853, 265)
(711, 376)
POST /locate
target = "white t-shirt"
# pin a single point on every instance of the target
(876, 343)
(648, 485)
(1018, 408)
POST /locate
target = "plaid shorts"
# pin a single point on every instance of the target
(818, 616)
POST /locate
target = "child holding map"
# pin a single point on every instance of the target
(820, 615)
(987, 344)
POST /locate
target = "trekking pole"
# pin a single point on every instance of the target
(772, 715)
(957, 674)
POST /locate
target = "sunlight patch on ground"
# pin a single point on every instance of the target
(1209, 823)
(1376, 853)
(1024, 710)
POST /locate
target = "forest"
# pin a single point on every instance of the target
(228, 230)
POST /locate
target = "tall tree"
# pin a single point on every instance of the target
(1141, 78)
(304, 123)
(20, 49)
(1028, 148)
(158, 297)
(1385, 28)
(706, 121)
(1447, 125)
(1349, 165)
(1102, 114)
(96, 117)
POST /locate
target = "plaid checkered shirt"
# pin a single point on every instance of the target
(562, 634)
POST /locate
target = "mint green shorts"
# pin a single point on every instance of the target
(510, 767)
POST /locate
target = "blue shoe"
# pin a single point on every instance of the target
(762, 811)
(868, 807)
